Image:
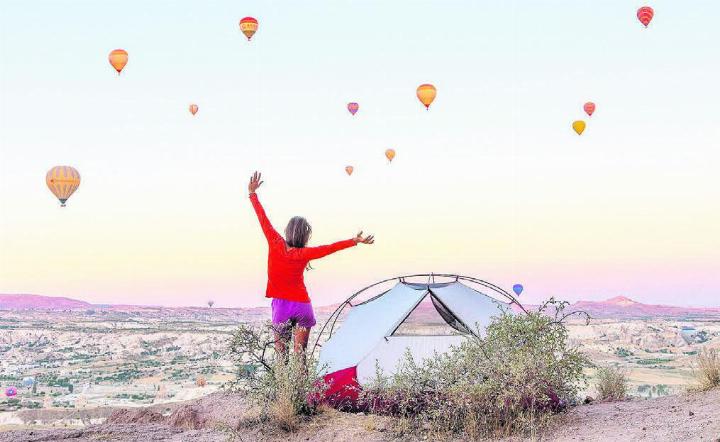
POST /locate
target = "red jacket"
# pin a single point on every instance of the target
(287, 264)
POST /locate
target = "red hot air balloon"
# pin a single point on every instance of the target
(589, 108)
(353, 107)
(645, 15)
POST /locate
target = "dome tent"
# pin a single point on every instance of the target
(378, 331)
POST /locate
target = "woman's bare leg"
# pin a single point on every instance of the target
(283, 333)
(301, 337)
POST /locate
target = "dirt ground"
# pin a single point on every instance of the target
(227, 417)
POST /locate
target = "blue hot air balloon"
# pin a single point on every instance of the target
(28, 381)
(518, 288)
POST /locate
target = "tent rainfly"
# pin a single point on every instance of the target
(381, 329)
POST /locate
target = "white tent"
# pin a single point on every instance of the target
(378, 331)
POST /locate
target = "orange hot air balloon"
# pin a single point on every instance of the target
(589, 108)
(248, 26)
(426, 94)
(645, 15)
(194, 108)
(390, 154)
(349, 170)
(118, 59)
(62, 181)
(579, 126)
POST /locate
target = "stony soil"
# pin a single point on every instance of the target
(227, 417)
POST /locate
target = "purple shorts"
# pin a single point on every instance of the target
(296, 313)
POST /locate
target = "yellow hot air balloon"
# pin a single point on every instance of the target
(426, 94)
(349, 170)
(118, 59)
(194, 108)
(578, 126)
(390, 154)
(62, 182)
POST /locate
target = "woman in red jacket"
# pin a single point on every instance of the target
(287, 260)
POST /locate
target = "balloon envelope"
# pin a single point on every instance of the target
(645, 15)
(578, 126)
(390, 154)
(28, 382)
(118, 59)
(62, 181)
(518, 288)
(248, 26)
(349, 170)
(589, 108)
(426, 94)
(353, 107)
(10, 391)
(193, 108)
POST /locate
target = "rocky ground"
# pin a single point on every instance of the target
(227, 417)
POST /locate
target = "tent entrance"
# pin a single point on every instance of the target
(430, 317)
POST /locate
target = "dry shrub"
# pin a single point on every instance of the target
(510, 381)
(612, 384)
(281, 386)
(708, 372)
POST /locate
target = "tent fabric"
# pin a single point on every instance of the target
(472, 307)
(391, 351)
(367, 324)
(366, 339)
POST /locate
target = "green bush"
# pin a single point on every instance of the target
(612, 384)
(281, 386)
(508, 381)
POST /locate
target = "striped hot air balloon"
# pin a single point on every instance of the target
(248, 26)
(349, 170)
(353, 107)
(193, 108)
(426, 94)
(645, 15)
(62, 181)
(118, 59)
(589, 108)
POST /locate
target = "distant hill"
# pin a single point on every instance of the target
(22, 302)
(623, 307)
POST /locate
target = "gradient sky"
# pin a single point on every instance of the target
(491, 182)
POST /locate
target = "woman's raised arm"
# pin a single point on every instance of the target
(270, 233)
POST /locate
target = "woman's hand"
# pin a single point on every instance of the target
(255, 182)
(367, 240)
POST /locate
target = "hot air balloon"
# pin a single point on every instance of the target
(349, 170)
(518, 288)
(62, 182)
(353, 107)
(248, 26)
(578, 126)
(645, 15)
(10, 391)
(589, 108)
(426, 94)
(28, 381)
(390, 154)
(193, 108)
(118, 59)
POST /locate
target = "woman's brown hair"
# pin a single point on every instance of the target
(297, 232)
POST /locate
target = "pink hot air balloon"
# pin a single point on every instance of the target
(589, 108)
(645, 15)
(353, 107)
(10, 391)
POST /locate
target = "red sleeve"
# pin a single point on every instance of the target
(267, 228)
(311, 253)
